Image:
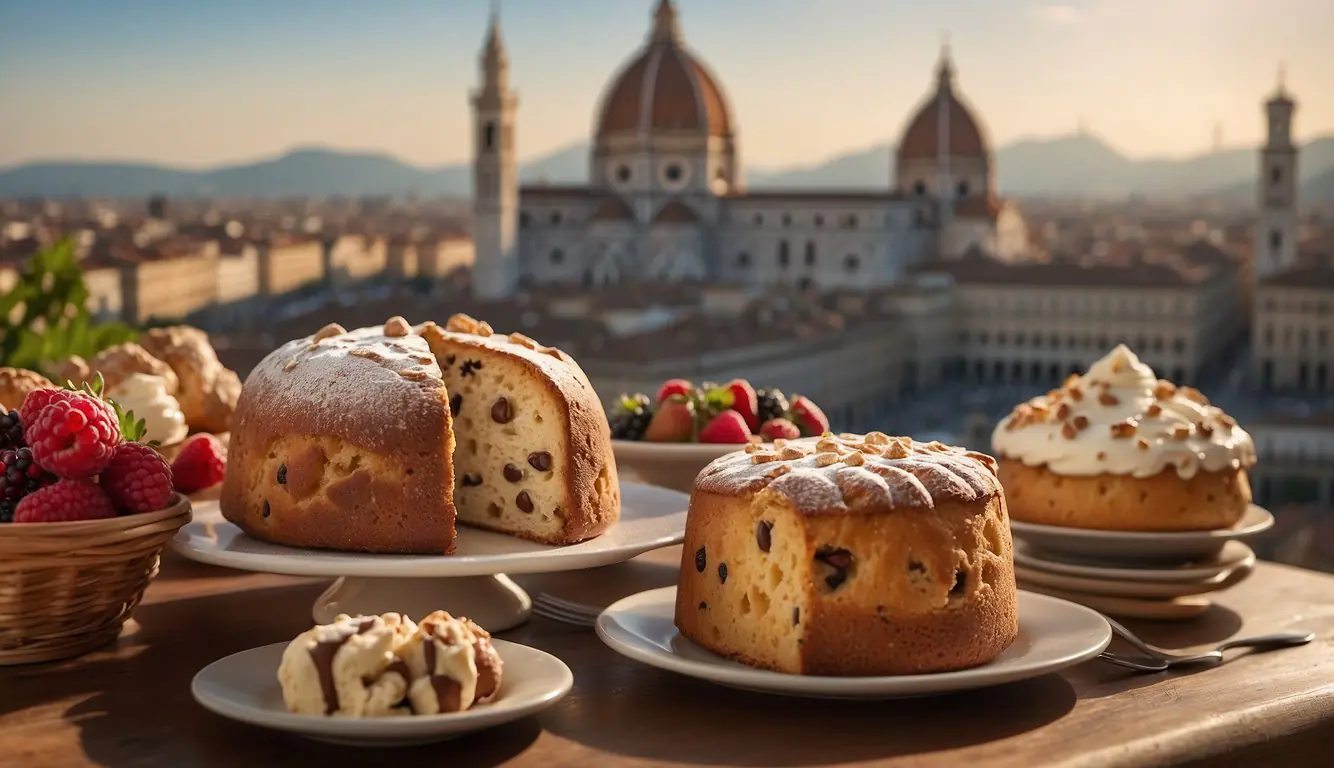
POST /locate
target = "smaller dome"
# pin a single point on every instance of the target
(922, 138)
(675, 212)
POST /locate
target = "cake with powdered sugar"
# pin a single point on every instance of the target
(849, 555)
(380, 439)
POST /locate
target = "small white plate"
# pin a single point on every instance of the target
(1141, 546)
(668, 465)
(1053, 634)
(1234, 555)
(1033, 577)
(651, 518)
(244, 687)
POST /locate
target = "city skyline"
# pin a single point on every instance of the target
(203, 86)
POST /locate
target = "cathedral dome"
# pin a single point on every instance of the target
(944, 114)
(664, 88)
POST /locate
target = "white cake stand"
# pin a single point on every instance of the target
(471, 582)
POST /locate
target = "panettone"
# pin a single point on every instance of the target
(849, 555)
(345, 440)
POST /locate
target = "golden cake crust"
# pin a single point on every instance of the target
(897, 561)
(1164, 502)
(343, 441)
(17, 383)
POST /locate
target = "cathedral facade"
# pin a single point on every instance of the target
(667, 200)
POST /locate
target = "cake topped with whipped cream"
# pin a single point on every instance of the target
(1119, 418)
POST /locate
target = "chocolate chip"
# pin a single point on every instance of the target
(541, 461)
(837, 559)
(762, 535)
(469, 367)
(513, 473)
(722, 572)
(471, 479)
(455, 403)
(524, 501)
(703, 605)
(267, 511)
(796, 615)
(449, 359)
(282, 474)
(960, 583)
(701, 560)
(501, 412)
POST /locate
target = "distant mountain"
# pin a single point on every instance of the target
(1080, 165)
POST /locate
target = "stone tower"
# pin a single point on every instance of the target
(1276, 226)
(495, 174)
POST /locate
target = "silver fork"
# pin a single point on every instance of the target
(1157, 660)
(565, 611)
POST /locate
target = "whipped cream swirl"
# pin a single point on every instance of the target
(147, 396)
(1119, 418)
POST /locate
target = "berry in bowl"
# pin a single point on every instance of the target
(84, 512)
(666, 440)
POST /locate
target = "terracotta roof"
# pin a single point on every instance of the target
(922, 137)
(815, 196)
(977, 268)
(613, 209)
(675, 212)
(986, 206)
(1316, 276)
(664, 88)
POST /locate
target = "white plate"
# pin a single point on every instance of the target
(668, 465)
(244, 687)
(651, 518)
(1234, 555)
(1139, 546)
(1053, 634)
(1031, 577)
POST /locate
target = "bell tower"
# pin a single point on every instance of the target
(495, 173)
(1276, 227)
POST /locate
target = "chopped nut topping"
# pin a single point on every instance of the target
(1076, 394)
(1068, 431)
(897, 451)
(751, 448)
(1123, 429)
(484, 329)
(855, 459)
(1154, 409)
(779, 470)
(791, 453)
(1164, 389)
(1204, 429)
(877, 438)
(396, 326)
(1102, 455)
(762, 458)
(521, 340)
(827, 444)
(366, 353)
(1181, 431)
(1063, 412)
(1071, 381)
(328, 331)
(1194, 395)
(1107, 398)
(825, 459)
(1142, 444)
(290, 364)
(415, 375)
(461, 323)
(1080, 423)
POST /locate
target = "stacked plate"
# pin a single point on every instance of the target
(1138, 575)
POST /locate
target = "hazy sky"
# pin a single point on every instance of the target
(201, 82)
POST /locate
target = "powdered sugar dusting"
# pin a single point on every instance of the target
(854, 473)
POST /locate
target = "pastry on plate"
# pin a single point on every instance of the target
(849, 555)
(1119, 449)
(16, 384)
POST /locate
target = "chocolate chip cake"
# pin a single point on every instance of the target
(345, 440)
(849, 555)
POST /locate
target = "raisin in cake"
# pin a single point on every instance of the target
(342, 440)
(849, 555)
(533, 455)
(345, 440)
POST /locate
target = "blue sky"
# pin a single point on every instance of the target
(201, 82)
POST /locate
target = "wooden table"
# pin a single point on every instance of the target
(130, 705)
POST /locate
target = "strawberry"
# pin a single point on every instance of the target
(675, 387)
(201, 463)
(674, 421)
(745, 402)
(809, 417)
(726, 427)
(775, 429)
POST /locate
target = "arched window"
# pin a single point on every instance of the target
(1275, 239)
(489, 136)
(963, 189)
(852, 262)
(852, 221)
(783, 255)
(555, 217)
(810, 253)
(819, 220)
(919, 188)
(1275, 175)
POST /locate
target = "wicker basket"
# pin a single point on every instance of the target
(66, 588)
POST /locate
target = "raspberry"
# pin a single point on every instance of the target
(36, 401)
(201, 464)
(65, 502)
(19, 476)
(11, 429)
(137, 479)
(74, 437)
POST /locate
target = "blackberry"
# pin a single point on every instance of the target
(631, 418)
(772, 404)
(19, 476)
(11, 430)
